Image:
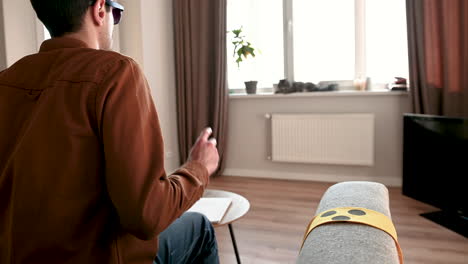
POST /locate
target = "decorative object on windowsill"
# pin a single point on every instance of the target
(368, 84)
(299, 87)
(311, 87)
(285, 87)
(328, 88)
(242, 49)
(362, 84)
(399, 84)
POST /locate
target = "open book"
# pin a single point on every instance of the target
(213, 208)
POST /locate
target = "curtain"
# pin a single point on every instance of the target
(438, 56)
(201, 78)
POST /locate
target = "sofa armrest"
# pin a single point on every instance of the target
(340, 243)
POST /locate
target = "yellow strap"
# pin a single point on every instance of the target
(356, 215)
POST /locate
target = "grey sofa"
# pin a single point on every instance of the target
(351, 243)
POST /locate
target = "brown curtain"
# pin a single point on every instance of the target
(438, 56)
(201, 78)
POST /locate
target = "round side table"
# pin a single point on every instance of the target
(239, 207)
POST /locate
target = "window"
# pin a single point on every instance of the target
(323, 39)
(320, 40)
(386, 40)
(263, 27)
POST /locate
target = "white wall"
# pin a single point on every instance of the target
(248, 141)
(146, 34)
(159, 61)
(19, 27)
(131, 41)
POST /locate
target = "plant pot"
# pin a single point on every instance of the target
(251, 87)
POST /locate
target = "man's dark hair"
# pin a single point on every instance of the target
(61, 16)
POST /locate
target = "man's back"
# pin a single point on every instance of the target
(76, 124)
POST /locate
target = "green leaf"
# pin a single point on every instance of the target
(242, 48)
(237, 32)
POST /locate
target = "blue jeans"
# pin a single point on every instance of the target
(189, 239)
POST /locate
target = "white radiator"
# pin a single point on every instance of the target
(346, 139)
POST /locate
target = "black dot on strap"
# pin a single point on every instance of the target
(328, 213)
(340, 218)
(356, 212)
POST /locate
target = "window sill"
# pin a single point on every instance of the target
(318, 94)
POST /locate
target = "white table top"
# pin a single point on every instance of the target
(239, 207)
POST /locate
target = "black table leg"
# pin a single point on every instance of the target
(234, 243)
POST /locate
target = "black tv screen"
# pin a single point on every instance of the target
(435, 162)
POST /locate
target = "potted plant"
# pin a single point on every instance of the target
(242, 49)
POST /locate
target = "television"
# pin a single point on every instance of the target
(435, 167)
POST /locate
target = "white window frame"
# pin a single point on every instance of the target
(360, 39)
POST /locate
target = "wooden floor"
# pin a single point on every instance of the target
(272, 230)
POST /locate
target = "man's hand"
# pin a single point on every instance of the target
(205, 151)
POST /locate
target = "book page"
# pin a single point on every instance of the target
(213, 208)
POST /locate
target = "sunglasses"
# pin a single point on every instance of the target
(117, 9)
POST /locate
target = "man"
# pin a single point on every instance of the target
(82, 177)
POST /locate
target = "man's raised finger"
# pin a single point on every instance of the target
(213, 141)
(206, 133)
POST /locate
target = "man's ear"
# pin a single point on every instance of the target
(98, 12)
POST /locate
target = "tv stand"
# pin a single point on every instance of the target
(449, 219)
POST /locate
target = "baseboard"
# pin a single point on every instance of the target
(387, 181)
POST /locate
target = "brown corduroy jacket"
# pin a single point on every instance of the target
(82, 176)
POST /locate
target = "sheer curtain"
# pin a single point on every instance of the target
(200, 51)
(438, 56)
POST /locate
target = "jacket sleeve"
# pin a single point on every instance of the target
(146, 199)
